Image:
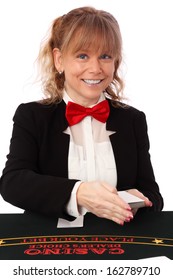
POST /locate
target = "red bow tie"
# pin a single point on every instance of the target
(75, 113)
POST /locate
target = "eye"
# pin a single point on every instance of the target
(82, 56)
(105, 56)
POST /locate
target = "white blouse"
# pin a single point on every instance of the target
(90, 156)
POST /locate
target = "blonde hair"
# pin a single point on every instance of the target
(80, 28)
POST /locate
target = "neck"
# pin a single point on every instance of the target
(85, 103)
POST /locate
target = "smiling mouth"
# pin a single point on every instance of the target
(92, 82)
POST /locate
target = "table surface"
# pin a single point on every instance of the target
(31, 236)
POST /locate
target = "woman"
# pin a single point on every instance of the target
(71, 152)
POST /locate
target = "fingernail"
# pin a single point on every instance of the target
(129, 216)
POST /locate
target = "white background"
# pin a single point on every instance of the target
(146, 27)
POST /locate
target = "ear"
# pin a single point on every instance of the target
(57, 56)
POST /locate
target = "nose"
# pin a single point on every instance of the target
(95, 66)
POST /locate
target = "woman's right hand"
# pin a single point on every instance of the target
(102, 200)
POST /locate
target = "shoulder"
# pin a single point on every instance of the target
(38, 106)
(125, 111)
(128, 119)
(37, 109)
(39, 116)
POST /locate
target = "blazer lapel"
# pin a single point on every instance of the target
(62, 123)
(117, 123)
(61, 140)
(115, 141)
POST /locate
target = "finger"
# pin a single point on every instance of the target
(148, 203)
(139, 194)
(113, 212)
(119, 218)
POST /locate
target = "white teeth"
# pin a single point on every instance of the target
(92, 82)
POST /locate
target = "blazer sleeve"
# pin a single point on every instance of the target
(21, 183)
(145, 175)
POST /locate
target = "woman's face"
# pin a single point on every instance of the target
(87, 74)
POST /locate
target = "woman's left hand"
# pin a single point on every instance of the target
(137, 193)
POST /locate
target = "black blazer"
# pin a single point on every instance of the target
(36, 174)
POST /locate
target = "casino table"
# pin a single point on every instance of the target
(35, 237)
